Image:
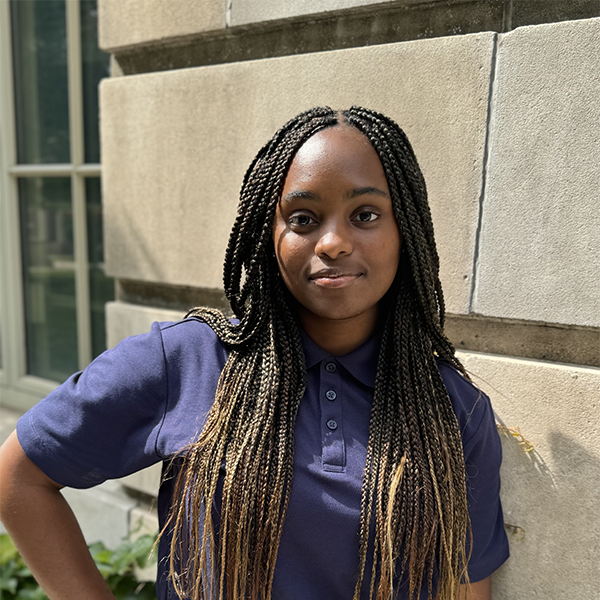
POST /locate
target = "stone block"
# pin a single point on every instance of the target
(254, 11)
(124, 320)
(102, 512)
(127, 23)
(550, 494)
(539, 256)
(176, 145)
(143, 521)
(146, 481)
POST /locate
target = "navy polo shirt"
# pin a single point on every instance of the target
(144, 400)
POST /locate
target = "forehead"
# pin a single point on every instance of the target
(337, 151)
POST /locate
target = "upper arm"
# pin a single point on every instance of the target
(18, 473)
(479, 590)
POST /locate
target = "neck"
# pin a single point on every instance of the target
(339, 336)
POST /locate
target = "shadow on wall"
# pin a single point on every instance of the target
(552, 519)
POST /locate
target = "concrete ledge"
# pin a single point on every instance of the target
(124, 320)
(525, 339)
(176, 145)
(386, 23)
(539, 256)
(146, 481)
(172, 297)
(102, 512)
(534, 12)
(550, 494)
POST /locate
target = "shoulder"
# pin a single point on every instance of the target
(192, 343)
(168, 345)
(186, 330)
(483, 457)
(472, 407)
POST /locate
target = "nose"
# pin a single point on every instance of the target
(333, 242)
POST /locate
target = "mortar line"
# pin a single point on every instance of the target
(484, 169)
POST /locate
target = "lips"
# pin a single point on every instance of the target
(334, 278)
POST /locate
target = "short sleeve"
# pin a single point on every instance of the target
(103, 422)
(483, 457)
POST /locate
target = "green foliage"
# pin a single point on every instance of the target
(16, 580)
(117, 568)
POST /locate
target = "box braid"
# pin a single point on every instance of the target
(414, 479)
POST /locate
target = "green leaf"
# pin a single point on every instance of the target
(105, 570)
(8, 583)
(142, 549)
(104, 557)
(123, 558)
(32, 594)
(116, 566)
(96, 548)
(23, 572)
(8, 551)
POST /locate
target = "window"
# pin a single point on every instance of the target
(52, 282)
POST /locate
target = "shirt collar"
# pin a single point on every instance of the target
(361, 363)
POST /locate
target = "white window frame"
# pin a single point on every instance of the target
(18, 389)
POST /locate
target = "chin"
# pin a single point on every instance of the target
(336, 312)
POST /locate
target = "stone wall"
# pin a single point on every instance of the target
(500, 100)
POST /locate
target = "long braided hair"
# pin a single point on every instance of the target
(414, 479)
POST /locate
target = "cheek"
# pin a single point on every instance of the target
(291, 253)
(388, 255)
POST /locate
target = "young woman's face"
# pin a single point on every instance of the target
(336, 240)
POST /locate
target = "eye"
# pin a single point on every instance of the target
(301, 220)
(366, 216)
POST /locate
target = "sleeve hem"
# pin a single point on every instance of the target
(486, 568)
(27, 435)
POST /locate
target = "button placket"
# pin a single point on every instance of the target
(333, 446)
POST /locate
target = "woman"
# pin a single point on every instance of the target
(330, 427)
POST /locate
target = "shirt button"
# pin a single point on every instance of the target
(330, 367)
(331, 395)
(332, 424)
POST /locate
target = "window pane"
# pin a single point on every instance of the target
(40, 67)
(95, 67)
(102, 288)
(49, 277)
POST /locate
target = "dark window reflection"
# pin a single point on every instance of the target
(48, 277)
(40, 72)
(94, 68)
(101, 286)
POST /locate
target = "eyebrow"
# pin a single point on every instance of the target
(305, 195)
(367, 190)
